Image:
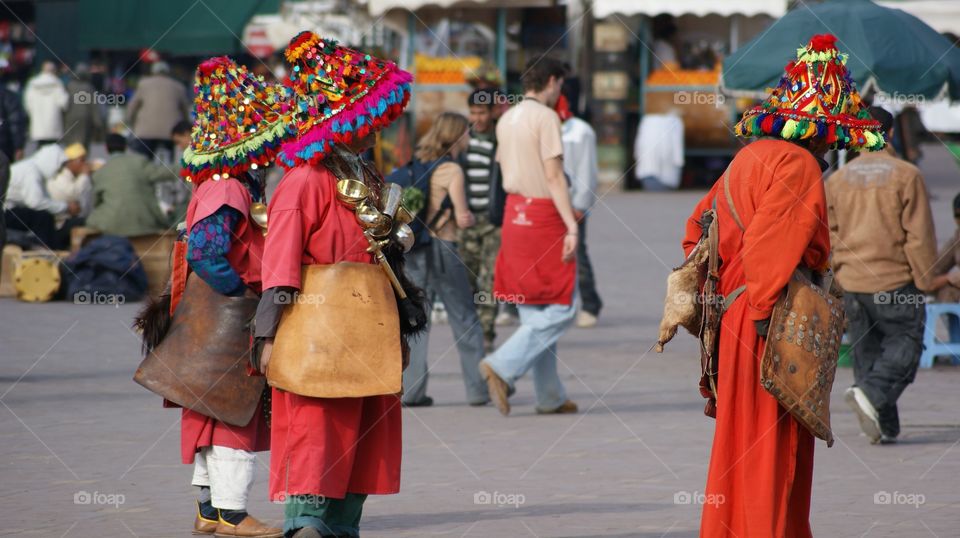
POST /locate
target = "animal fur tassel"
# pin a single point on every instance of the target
(153, 321)
(680, 307)
(413, 309)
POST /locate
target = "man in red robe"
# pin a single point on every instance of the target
(772, 216)
(224, 248)
(328, 453)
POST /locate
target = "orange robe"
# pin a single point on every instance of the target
(761, 464)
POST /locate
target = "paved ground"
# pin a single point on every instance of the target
(86, 452)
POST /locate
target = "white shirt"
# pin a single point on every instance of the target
(45, 99)
(66, 187)
(28, 178)
(580, 162)
(659, 148)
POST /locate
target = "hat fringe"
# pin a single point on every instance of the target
(848, 133)
(258, 150)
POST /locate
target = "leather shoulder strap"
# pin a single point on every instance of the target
(730, 205)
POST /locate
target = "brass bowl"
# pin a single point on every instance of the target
(351, 192)
(403, 235)
(403, 216)
(373, 220)
(258, 212)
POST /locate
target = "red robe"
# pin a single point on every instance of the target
(246, 250)
(761, 464)
(324, 446)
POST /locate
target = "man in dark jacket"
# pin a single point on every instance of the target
(13, 136)
(82, 119)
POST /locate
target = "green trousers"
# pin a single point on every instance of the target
(332, 517)
(478, 247)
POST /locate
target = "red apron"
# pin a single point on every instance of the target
(529, 267)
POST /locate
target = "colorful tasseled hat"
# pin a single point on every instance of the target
(240, 123)
(816, 98)
(340, 95)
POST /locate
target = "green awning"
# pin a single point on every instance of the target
(185, 27)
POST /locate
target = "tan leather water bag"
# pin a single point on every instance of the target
(340, 336)
(201, 363)
(800, 357)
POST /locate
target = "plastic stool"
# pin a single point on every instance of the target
(933, 347)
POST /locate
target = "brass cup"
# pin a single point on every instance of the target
(373, 220)
(403, 235)
(390, 197)
(351, 192)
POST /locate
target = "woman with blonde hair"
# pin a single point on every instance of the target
(436, 266)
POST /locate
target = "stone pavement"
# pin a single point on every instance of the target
(88, 453)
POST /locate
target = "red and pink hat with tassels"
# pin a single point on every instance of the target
(340, 95)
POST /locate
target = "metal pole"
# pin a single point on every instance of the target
(501, 48)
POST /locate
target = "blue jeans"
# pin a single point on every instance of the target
(534, 346)
(437, 268)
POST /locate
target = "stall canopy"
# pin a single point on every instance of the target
(890, 52)
(605, 8)
(379, 7)
(941, 15)
(188, 27)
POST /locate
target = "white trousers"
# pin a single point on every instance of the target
(228, 472)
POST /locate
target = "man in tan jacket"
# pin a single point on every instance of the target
(884, 249)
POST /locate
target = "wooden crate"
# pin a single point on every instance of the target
(11, 255)
(154, 252)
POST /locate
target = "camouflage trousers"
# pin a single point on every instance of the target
(478, 247)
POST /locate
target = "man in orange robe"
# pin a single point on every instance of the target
(761, 465)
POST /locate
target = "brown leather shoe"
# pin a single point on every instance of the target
(202, 525)
(250, 527)
(497, 388)
(568, 407)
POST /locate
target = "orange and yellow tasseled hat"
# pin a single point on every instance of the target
(816, 98)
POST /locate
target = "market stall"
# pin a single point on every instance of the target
(663, 58)
(455, 46)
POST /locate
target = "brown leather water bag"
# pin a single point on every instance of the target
(803, 344)
(800, 357)
(201, 363)
(340, 336)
